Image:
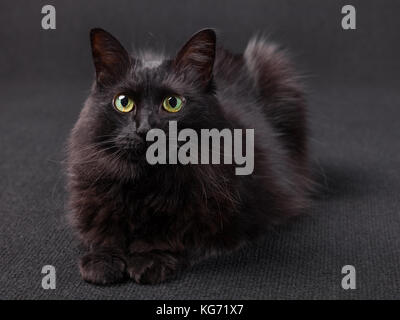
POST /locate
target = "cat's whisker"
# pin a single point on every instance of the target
(93, 157)
(96, 145)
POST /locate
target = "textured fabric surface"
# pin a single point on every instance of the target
(354, 110)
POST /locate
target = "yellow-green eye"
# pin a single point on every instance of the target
(123, 103)
(173, 103)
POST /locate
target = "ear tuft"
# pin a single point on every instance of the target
(198, 54)
(109, 56)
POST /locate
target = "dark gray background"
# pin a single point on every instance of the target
(354, 100)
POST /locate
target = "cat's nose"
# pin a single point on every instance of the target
(143, 129)
(143, 125)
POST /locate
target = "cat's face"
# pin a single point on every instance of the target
(135, 94)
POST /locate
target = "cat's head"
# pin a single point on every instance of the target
(133, 94)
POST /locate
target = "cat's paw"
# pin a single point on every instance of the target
(102, 268)
(152, 268)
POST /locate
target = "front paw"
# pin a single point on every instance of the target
(102, 267)
(152, 268)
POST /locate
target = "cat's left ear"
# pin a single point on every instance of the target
(110, 58)
(197, 55)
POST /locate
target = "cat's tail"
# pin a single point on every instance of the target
(281, 91)
(271, 68)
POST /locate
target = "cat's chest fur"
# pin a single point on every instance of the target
(178, 197)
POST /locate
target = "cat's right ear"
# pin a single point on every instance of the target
(198, 55)
(110, 58)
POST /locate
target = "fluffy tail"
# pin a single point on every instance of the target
(280, 89)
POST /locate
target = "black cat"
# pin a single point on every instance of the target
(147, 222)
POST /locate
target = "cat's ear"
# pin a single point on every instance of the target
(110, 58)
(197, 55)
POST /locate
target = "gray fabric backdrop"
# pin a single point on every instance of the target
(354, 110)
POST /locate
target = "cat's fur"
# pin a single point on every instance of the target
(148, 222)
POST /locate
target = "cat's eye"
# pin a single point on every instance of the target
(173, 103)
(123, 103)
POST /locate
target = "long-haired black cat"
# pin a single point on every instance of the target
(147, 222)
